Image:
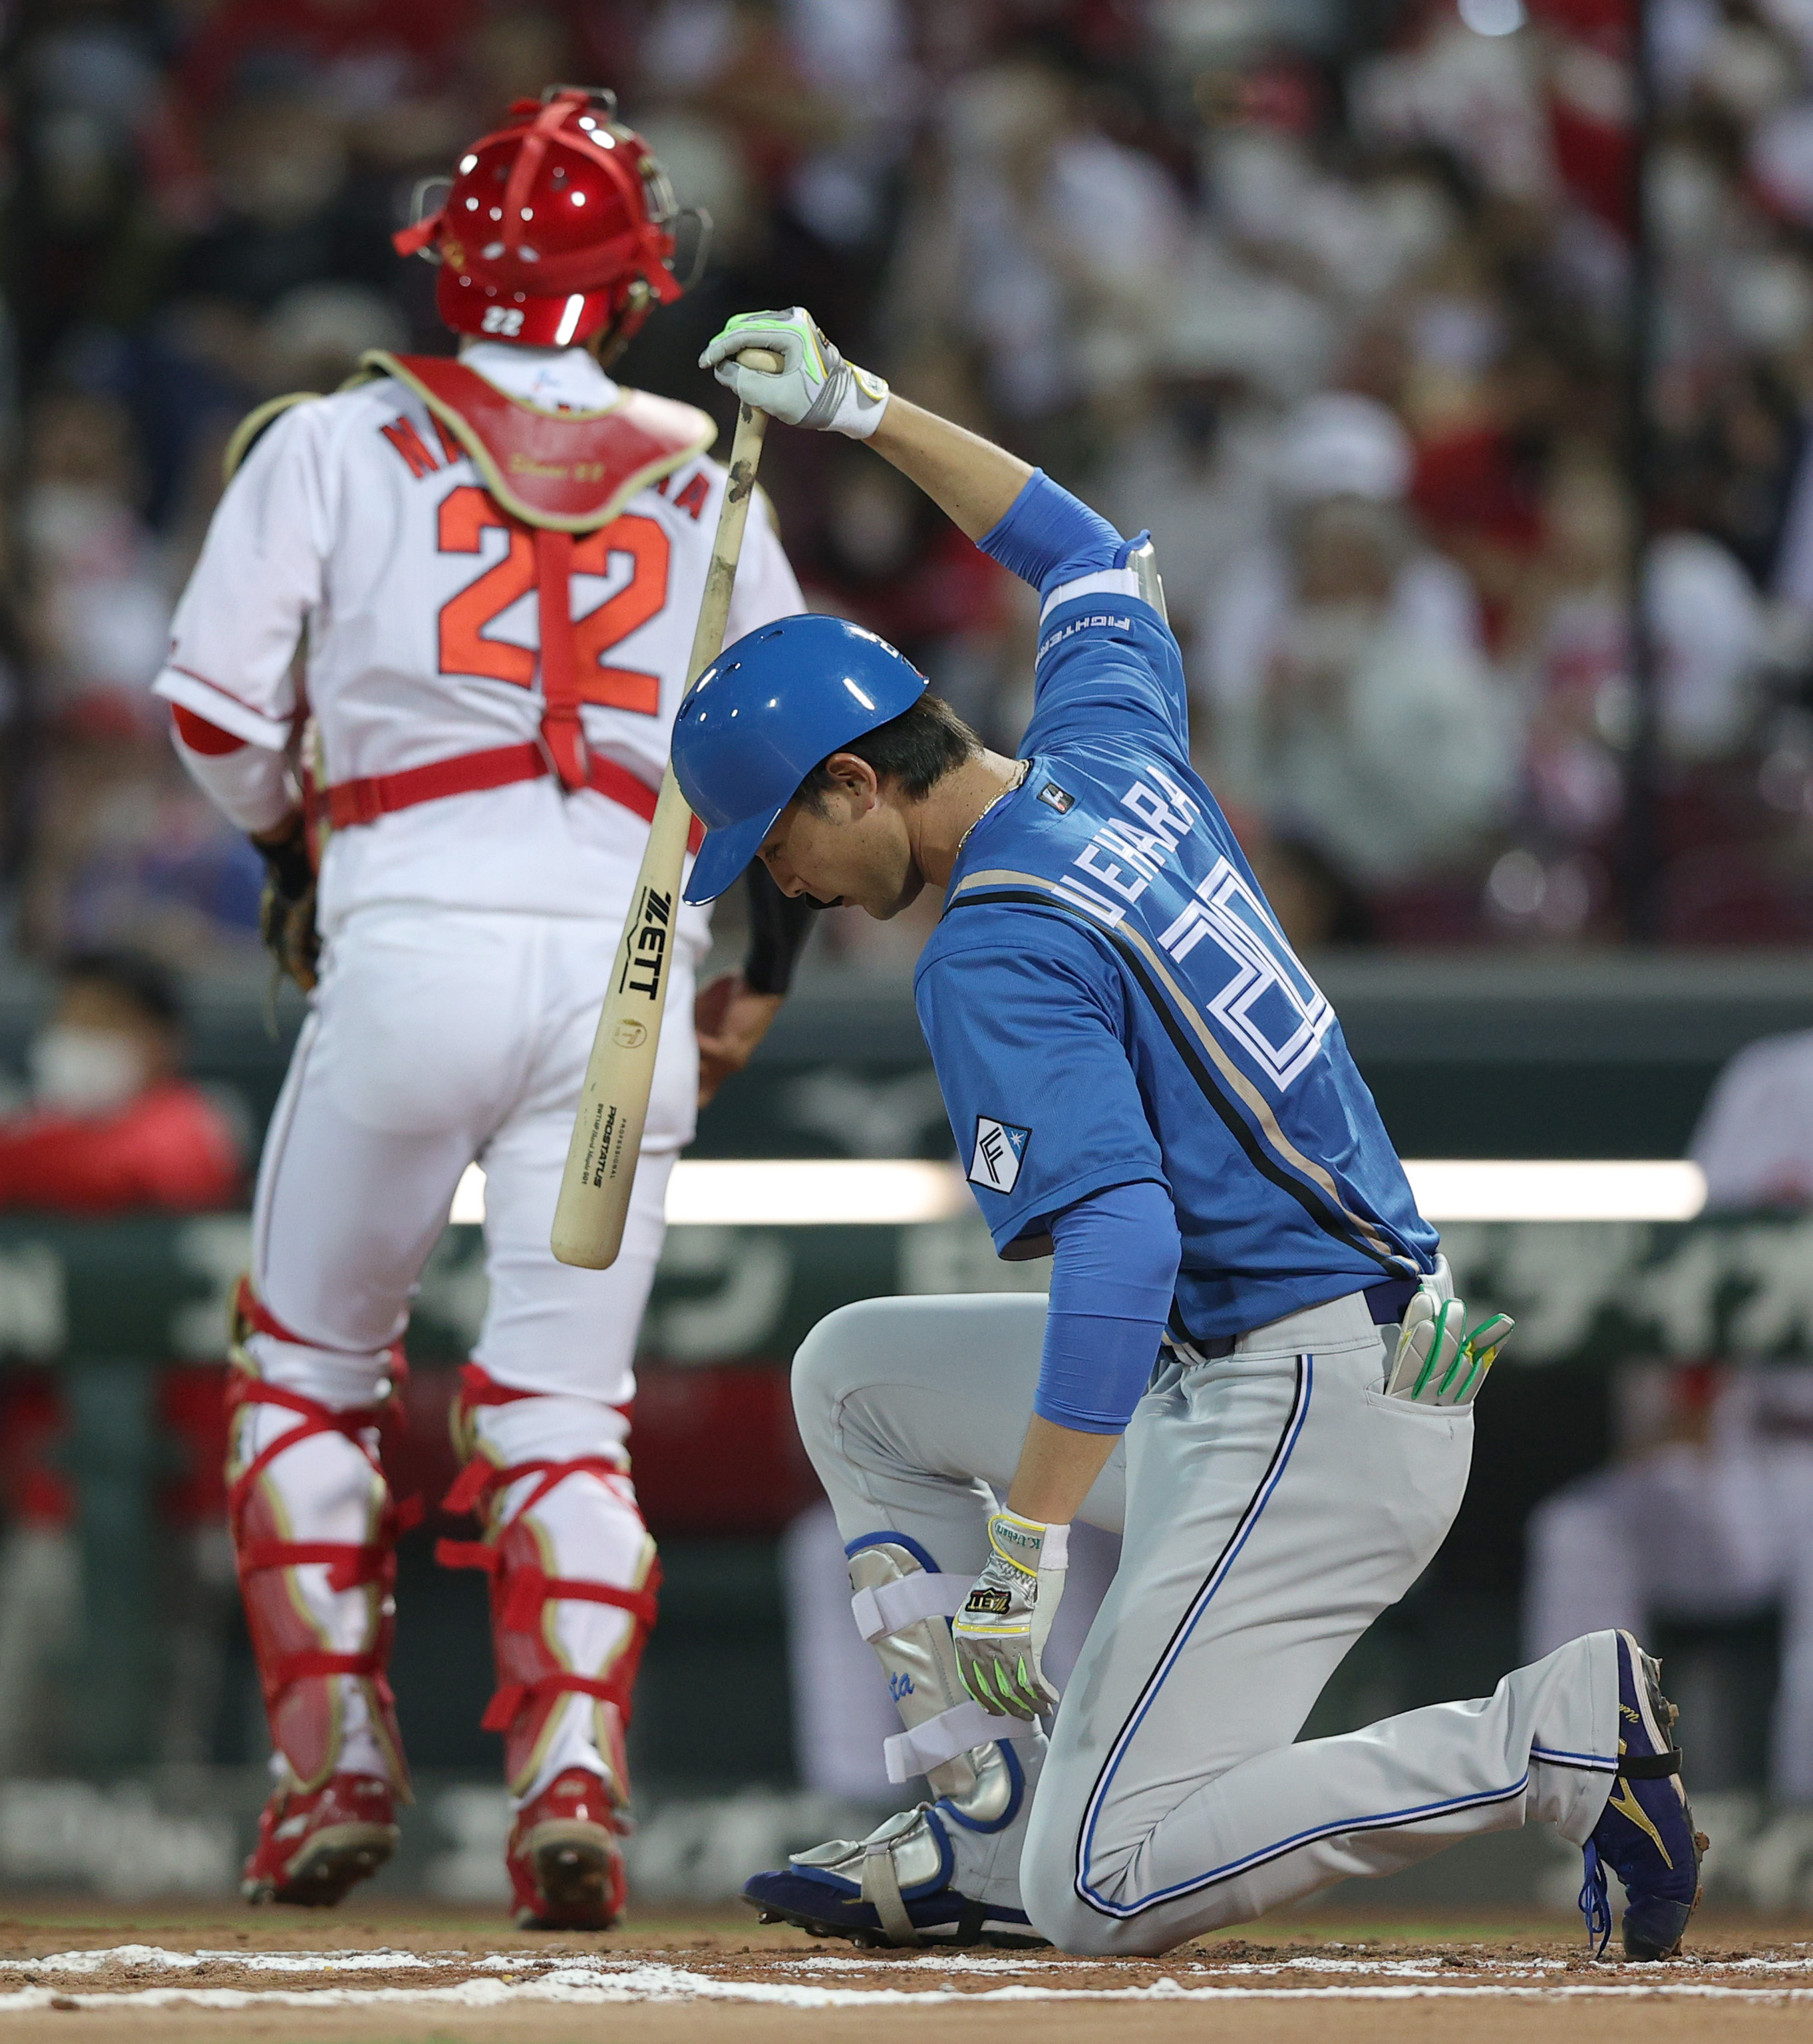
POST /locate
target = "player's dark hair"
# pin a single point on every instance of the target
(913, 751)
(149, 984)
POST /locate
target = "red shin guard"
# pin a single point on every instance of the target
(534, 1675)
(299, 1663)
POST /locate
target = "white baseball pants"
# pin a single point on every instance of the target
(440, 1036)
(1272, 1503)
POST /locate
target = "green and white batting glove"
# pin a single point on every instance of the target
(814, 386)
(1001, 1631)
(1440, 1360)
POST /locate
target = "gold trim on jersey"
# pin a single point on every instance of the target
(1249, 1094)
(241, 440)
(382, 362)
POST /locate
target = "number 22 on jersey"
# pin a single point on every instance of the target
(466, 514)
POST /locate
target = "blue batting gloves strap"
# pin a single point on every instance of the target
(762, 716)
(814, 386)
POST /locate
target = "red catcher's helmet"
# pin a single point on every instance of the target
(560, 223)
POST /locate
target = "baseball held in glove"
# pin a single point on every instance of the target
(287, 908)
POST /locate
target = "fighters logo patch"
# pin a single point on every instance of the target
(1057, 798)
(999, 1146)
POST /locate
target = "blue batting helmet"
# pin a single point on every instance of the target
(763, 715)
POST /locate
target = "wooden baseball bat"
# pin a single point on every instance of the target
(601, 1159)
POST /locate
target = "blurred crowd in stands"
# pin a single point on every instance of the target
(1333, 295)
(109, 1126)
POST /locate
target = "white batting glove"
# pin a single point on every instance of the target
(1001, 1631)
(1440, 1360)
(814, 386)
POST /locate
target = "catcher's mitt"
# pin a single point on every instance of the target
(287, 908)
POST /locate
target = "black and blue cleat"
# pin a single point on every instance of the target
(894, 1889)
(1645, 1835)
(828, 1907)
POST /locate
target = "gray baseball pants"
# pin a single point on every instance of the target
(1272, 1505)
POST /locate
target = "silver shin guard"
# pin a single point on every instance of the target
(969, 1838)
(905, 1613)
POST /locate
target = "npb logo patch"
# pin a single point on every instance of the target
(999, 1146)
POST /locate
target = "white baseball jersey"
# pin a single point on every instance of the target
(351, 532)
(1755, 1137)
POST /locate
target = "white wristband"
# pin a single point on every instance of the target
(863, 404)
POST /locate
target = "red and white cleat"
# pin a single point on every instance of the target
(565, 1866)
(315, 1844)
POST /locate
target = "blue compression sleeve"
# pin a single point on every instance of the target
(1116, 1268)
(1046, 536)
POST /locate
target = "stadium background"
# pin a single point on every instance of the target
(1341, 300)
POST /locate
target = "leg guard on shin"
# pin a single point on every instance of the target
(558, 1531)
(904, 1610)
(320, 1611)
(946, 1872)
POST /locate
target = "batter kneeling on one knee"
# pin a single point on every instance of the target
(1251, 1364)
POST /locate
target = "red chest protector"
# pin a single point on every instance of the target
(558, 474)
(558, 471)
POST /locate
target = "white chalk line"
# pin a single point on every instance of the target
(366, 1959)
(643, 1981)
(383, 1958)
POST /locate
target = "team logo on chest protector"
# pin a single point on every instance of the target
(1000, 1148)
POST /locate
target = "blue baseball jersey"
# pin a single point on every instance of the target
(1108, 997)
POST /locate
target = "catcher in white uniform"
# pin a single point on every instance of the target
(493, 568)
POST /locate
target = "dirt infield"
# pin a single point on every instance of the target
(443, 1977)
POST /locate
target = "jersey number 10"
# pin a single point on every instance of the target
(466, 514)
